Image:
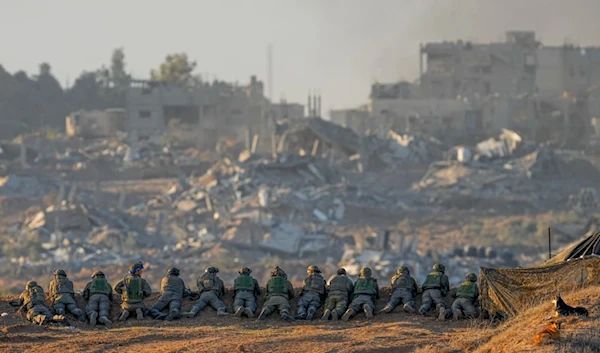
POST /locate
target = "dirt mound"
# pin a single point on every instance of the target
(516, 334)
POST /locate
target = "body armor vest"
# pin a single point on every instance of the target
(402, 282)
(339, 284)
(315, 283)
(433, 281)
(278, 286)
(172, 284)
(100, 286)
(35, 296)
(134, 292)
(63, 285)
(467, 290)
(365, 286)
(243, 282)
(209, 282)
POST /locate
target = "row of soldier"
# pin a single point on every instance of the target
(342, 298)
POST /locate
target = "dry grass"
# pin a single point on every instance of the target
(516, 334)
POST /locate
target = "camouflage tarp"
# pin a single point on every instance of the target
(505, 292)
(589, 246)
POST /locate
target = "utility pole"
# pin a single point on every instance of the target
(270, 70)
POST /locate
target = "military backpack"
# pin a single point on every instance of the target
(134, 292)
(433, 281)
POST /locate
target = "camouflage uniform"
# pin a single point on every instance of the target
(404, 289)
(246, 290)
(340, 289)
(314, 289)
(279, 292)
(99, 295)
(33, 300)
(467, 294)
(435, 288)
(61, 294)
(366, 291)
(211, 290)
(172, 291)
(133, 290)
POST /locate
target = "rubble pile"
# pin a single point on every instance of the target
(586, 199)
(390, 150)
(23, 186)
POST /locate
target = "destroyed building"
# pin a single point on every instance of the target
(96, 124)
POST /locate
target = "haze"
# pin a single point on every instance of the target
(339, 47)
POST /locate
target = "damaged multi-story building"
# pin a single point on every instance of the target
(468, 90)
(205, 113)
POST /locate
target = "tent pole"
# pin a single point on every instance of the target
(549, 244)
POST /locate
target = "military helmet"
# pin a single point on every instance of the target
(60, 272)
(439, 268)
(173, 271)
(211, 269)
(31, 284)
(402, 269)
(244, 271)
(136, 266)
(313, 268)
(97, 274)
(366, 272)
(278, 272)
(341, 271)
(471, 277)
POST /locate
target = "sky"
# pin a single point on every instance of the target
(338, 47)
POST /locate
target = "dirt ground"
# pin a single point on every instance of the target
(395, 332)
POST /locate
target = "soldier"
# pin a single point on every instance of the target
(435, 288)
(246, 290)
(279, 292)
(172, 291)
(61, 294)
(133, 289)
(33, 300)
(340, 289)
(314, 289)
(211, 290)
(467, 294)
(404, 289)
(99, 295)
(366, 291)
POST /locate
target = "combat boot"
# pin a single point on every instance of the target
(124, 315)
(239, 311)
(409, 309)
(300, 315)
(457, 314)
(311, 314)
(59, 311)
(222, 312)
(326, 315)
(386, 310)
(348, 314)
(93, 317)
(191, 313)
(287, 317)
(423, 312)
(59, 318)
(104, 320)
(139, 313)
(81, 316)
(249, 312)
(169, 317)
(334, 315)
(263, 314)
(442, 314)
(368, 311)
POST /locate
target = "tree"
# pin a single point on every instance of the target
(118, 76)
(44, 69)
(177, 68)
